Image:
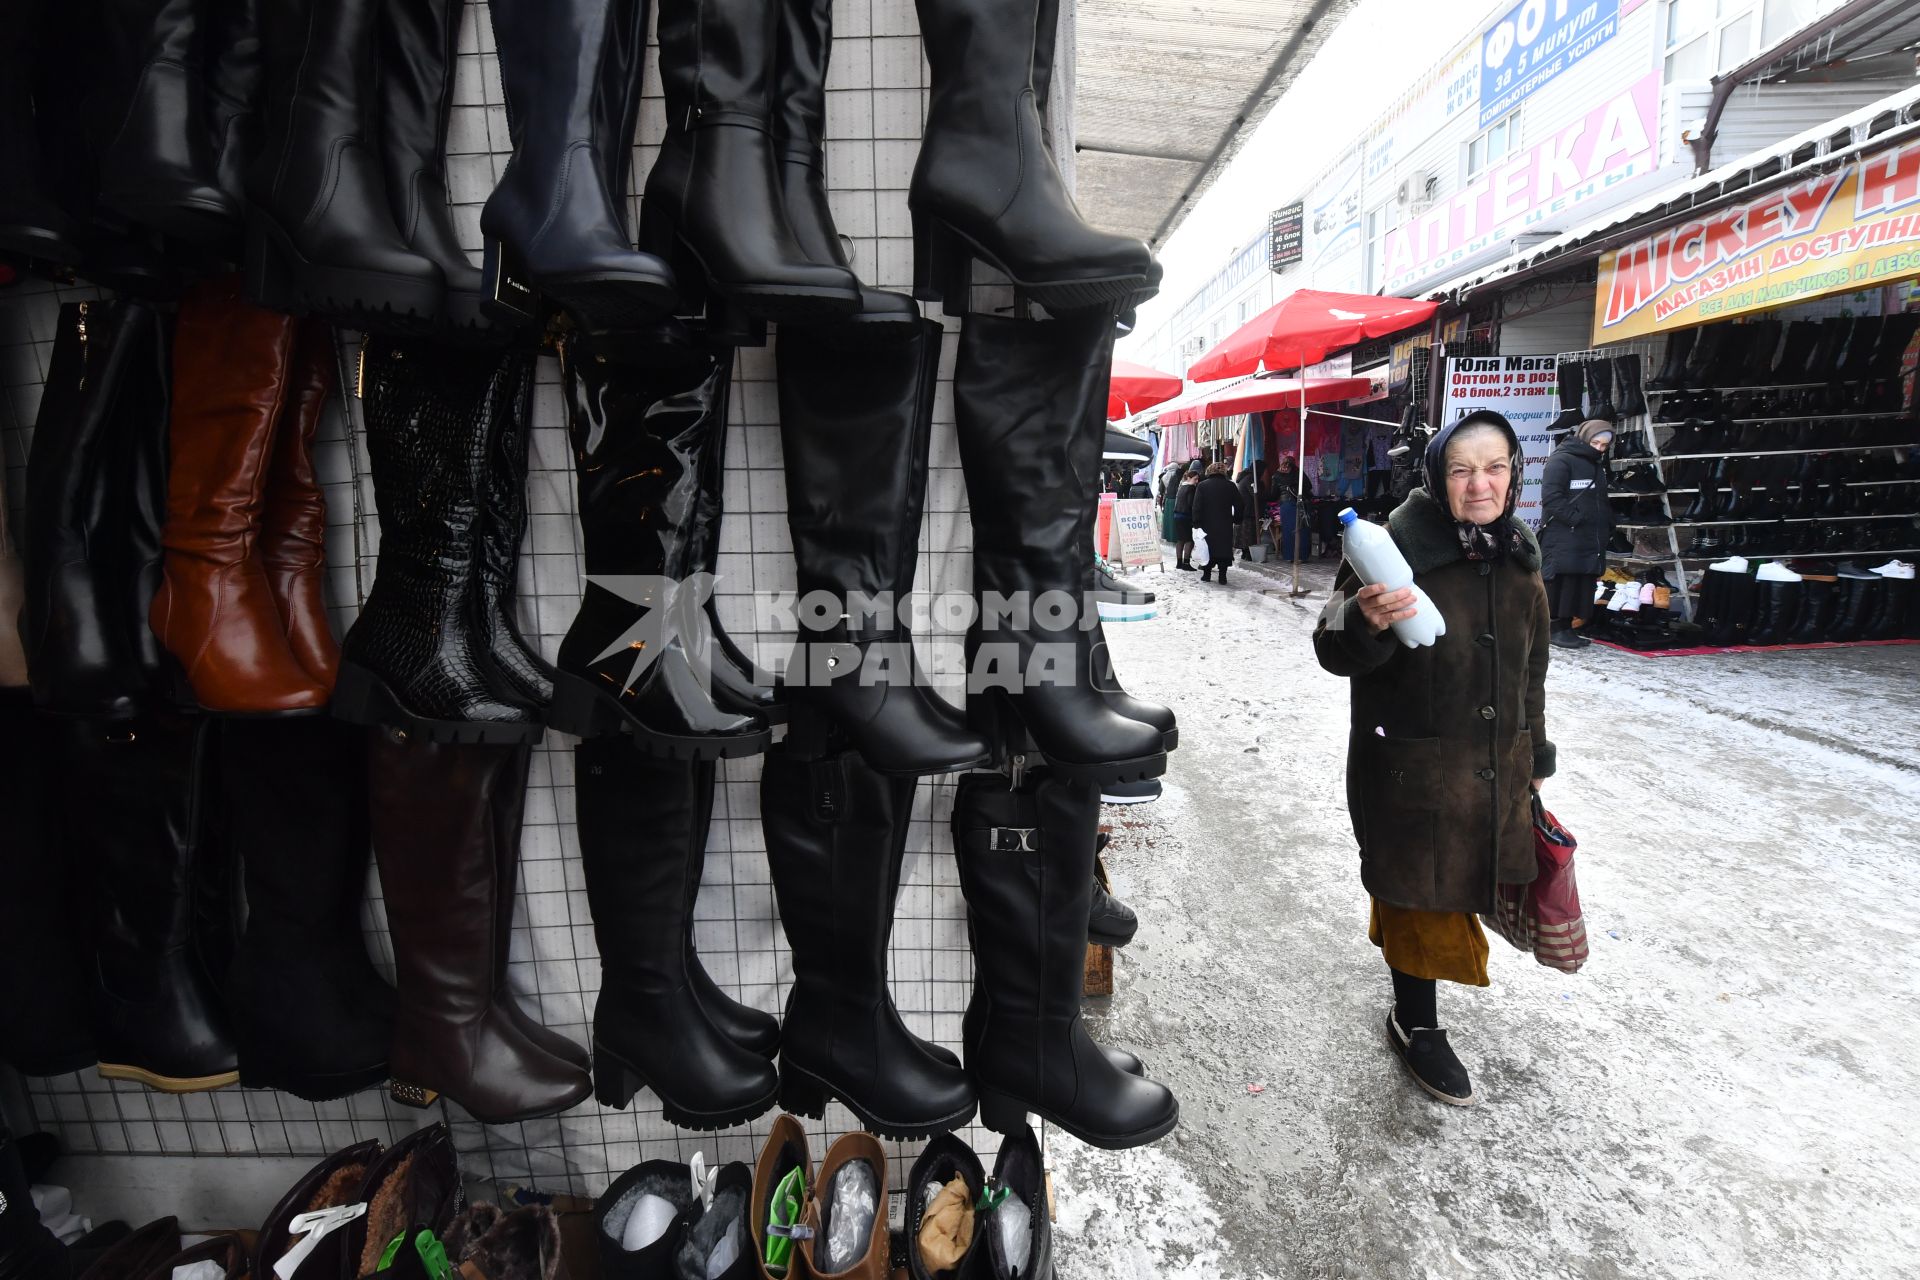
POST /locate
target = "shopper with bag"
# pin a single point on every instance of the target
(1183, 516)
(1447, 742)
(1216, 510)
(1579, 520)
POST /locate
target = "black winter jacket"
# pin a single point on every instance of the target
(1576, 518)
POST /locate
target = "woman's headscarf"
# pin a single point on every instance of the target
(1489, 541)
(1591, 430)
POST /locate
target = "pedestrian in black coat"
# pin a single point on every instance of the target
(1574, 528)
(1216, 510)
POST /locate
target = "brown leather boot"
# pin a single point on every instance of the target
(293, 528)
(786, 1150)
(437, 811)
(873, 1262)
(215, 611)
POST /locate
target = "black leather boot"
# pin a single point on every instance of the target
(555, 222)
(1775, 611)
(1020, 1189)
(46, 948)
(1860, 593)
(1761, 341)
(939, 1163)
(418, 44)
(502, 527)
(664, 1179)
(1026, 859)
(1632, 400)
(1735, 615)
(1790, 368)
(836, 841)
(1598, 375)
(855, 442)
(650, 1028)
(1824, 364)
(137, 795)
(28, 1250)
(419, 656)
(1889, 621)
(1673, 362)
(1030, 401)
(234, 91)
(1571, 387)
(96, 495)
(310, 1014)
(714, 203)
(1108, 683)
(638, 657)
(32, 223)
(1862, 340)
(446, 823)
(158, 167)
(984, 185)
(677, 796)
(320, 230)
(799, 131)
(1816, 610)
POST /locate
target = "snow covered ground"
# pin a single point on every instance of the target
(1728, 1089)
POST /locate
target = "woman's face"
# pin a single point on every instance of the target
(1479, 473)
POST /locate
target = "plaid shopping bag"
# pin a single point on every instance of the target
(1544, 917)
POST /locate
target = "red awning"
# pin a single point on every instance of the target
(1304, 328)
(1134, 387)
(1255, 395)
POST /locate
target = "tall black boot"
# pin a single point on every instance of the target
(1571, 387)
(1598, 375)
(676, 791)
(1632, 400)
(836, 840)
(310, 1014)
(554, 222)
(157, 162)
(856, 446)
(136, 793)
(1026, 859)
(714, 204)
(1673, 363)
(1862, 340)
(320, 231)
(32, 223)
(1889, 621)
(95, 494)
(1107, 681)
(1704, 359)
(1859, 601)
(1824, 364)
(1761, 341)
(1791, 366)
(1736, 610)
(637, 657)
(1816, 607)
(650, 1029)
(985, 186)
(799, 132)
(1775, 610)
(46, 952)
(1030, 400)
(502, 526)
(418, 44)
(234, 92)
(418, 657)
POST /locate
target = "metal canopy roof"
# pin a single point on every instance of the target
(1167, 90)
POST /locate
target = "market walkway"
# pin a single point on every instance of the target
(1729, 1088)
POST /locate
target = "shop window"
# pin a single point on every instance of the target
(1379, 222)
(1708, 36)
(1493, 146)
(1781, 18)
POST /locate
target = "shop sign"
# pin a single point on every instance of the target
(1333, 224)
(1376, 376)
(1855, 228)
(1286, 235)
(1534, 42)
(1400, 364)
(1526, 389)
(1134, 535)
(1585, 161)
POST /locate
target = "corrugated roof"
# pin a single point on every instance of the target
(1167, 90)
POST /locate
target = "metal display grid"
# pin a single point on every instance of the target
(875, 109)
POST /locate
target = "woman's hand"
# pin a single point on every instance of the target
(1382, 608)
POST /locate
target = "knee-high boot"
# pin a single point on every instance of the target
(855, 447)
(650, 1029)
(444, 818)
(836, 842)
(1026, 857)
(1030, 404)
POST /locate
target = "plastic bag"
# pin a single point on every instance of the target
(1201, 556)
(1544, 917)
(852, 1204)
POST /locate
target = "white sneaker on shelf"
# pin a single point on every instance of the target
(1774, 571)
(1895, 569)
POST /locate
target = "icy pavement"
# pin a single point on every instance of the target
(1728, 1089)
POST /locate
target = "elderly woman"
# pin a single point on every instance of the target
(1579, 520)
(1216, 511)
(1447, 742)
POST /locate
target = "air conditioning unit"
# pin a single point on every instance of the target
(1193, 346)
(1416, 191)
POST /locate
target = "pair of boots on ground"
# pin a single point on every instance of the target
(855, 436)
(1775, 605)
(784, 1218)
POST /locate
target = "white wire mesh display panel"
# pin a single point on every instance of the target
(876, 102)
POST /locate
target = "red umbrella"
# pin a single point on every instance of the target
(1135, 387)
(1303, 328)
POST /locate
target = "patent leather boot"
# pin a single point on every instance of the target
(637, 657)
(1026, 857)
(320, 229)
(419, 655)
(837, 833)
(650, 1029)
(987, 188)
(555, 224)
(444, 817)
(1030, 402)
(714, 204)
(158, 166)
(856, 445)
